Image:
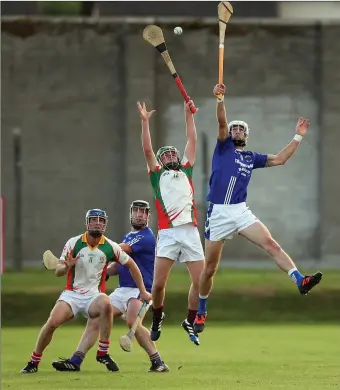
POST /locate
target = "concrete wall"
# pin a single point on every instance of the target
(71, 87)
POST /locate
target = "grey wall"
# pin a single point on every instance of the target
(71, 87)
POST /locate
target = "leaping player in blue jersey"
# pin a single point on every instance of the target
(140, 245)
(228, 213)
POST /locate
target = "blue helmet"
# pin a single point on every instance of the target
(96, 222)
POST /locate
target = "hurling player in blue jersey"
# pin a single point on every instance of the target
(228, 213)
(140, 245)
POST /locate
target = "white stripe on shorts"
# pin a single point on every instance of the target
(230, 190)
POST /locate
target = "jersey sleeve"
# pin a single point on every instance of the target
(157, 169)
(69, 246)
(118, 254)
(140, 242)
(187, 167)
(260, 160)
(222, 145)
(155, 176)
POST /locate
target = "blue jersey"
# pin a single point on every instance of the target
(231, 172)
(143, 244)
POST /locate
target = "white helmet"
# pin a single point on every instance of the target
(239, 123)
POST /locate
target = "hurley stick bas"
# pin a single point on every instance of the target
(154, 35)
(225, 10)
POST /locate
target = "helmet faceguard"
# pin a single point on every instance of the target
(96, 222)
(243, 127)
(139, 214)
(169, 157)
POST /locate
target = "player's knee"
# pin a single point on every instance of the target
(271, 247)
(196, 283)
(106, 307)
(53, 323)
(157, 287)
(130, 323)
(210, 270)
(103, 306)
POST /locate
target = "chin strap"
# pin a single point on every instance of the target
(239, 142)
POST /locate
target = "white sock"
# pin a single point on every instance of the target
(291, 271)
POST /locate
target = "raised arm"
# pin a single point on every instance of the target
(221, 112)
(146, 137)
(287, 152)
(190, 148)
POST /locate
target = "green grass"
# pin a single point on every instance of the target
(252, 281)
(244, 357)
(239, 296)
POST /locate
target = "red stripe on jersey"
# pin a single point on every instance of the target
(157, 168)
(173, 217)
(69, 281)
(163, 219)
(193, 201)
(103, 281)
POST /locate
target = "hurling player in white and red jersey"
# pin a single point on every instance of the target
(140, 244)
(178, 236)
(228, 213)
(84, 261)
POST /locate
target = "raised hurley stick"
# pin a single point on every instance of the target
(225, 10)
(154, 35)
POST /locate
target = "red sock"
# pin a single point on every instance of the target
(157, 312)
(36, 357)
(103, 347)
(191, 315)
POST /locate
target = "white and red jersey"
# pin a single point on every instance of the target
(174, 194)
(88, 275)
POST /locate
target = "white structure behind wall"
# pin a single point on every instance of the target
(324, 10)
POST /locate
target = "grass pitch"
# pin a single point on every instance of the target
(244, 357)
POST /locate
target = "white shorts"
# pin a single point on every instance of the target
(180, 243)
(79, 303)
(120, 297)
(223, 220)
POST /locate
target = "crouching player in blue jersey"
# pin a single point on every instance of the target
(140, 245)
(228, 213)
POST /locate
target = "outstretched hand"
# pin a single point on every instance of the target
(302, 126)
(144, 114)
(70, 261)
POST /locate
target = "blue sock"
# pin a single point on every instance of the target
(296, 276)
(202, 304)
(155, 358)
(77, 358)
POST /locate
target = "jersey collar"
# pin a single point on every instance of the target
(101, 241)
